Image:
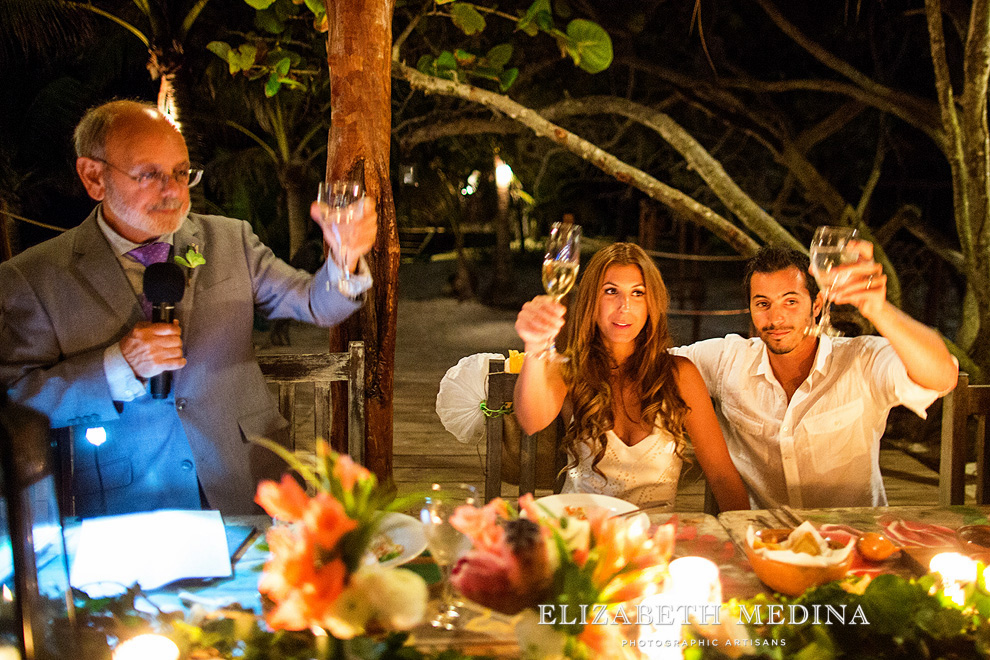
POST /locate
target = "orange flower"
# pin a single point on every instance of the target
(349, 472)
(327, 584)
(285, 501)
(290, 565)
(326, 521)
(289, 614)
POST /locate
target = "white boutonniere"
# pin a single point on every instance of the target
(192, 259)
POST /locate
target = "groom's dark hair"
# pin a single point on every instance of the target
(773, 258)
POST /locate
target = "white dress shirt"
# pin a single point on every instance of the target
(821, 449)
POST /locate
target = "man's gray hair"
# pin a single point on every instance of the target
(94, 128)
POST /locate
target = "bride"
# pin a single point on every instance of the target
(632, 405)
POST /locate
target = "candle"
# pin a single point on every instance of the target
(694, 580)
(692, 591)
(147, 647)
(955, 571)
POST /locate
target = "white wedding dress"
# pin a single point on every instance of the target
(645, 474)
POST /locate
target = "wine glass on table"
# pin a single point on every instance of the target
(341, 204)
(829, 248)
(560, 269)
(446, 544)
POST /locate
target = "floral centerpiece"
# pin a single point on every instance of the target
(561, 572)
(320, 575)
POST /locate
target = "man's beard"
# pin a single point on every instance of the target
(135, 217)
(784, 349)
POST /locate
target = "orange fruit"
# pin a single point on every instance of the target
(875, 547)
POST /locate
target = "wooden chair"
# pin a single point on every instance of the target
(960, 405)
(320, 369)
(500, 388)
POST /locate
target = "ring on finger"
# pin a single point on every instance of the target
(869, 282)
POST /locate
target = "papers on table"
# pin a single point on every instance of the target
(152, 549)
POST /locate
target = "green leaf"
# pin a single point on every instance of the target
(269, 22)
(242, 58)
(486, 72)
(282, 67)
(464, 58)
(467, 18)
(195, 259)
(528, 23)
(290, 460)
(219, 48)
(446, 61)
(182, 262)
(425, 64)
(499, 56)
(592, 45)
(273, 85)
(507, 77)
(260, 4)
(317, 7)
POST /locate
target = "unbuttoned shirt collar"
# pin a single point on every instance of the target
(823, 360)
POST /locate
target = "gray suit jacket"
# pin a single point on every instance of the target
(64, 301)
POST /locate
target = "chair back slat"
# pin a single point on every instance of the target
(287, 371)
(355, 398)
(499, 391)
(960, 405)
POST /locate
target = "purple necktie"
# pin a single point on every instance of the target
(147, 254)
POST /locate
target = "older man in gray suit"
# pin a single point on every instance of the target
(76, 342)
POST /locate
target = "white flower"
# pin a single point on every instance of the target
(350, 613)
(536, 641)
(397, 596)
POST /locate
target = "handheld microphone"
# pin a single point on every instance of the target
(164, 285)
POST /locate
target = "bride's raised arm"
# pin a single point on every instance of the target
(540, 390)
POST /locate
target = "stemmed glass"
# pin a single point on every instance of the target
(560, 269)
(341, 202)
(446, 544)
(829, 248)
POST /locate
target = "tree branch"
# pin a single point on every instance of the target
(698, 159)
(608, 163)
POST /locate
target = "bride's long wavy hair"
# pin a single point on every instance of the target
(588, 370)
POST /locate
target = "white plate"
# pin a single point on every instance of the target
(559, 504)
(405, 531)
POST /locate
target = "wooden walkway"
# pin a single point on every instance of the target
(433, 335)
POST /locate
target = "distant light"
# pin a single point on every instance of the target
(503, 175)
(147, 647)
(472, 184)
(96, 435)
(8, 595)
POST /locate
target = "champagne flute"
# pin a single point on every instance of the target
(560, 269)
(446, 544)
(829, 248)
(341, 202)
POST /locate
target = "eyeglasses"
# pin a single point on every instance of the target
(188, 178)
